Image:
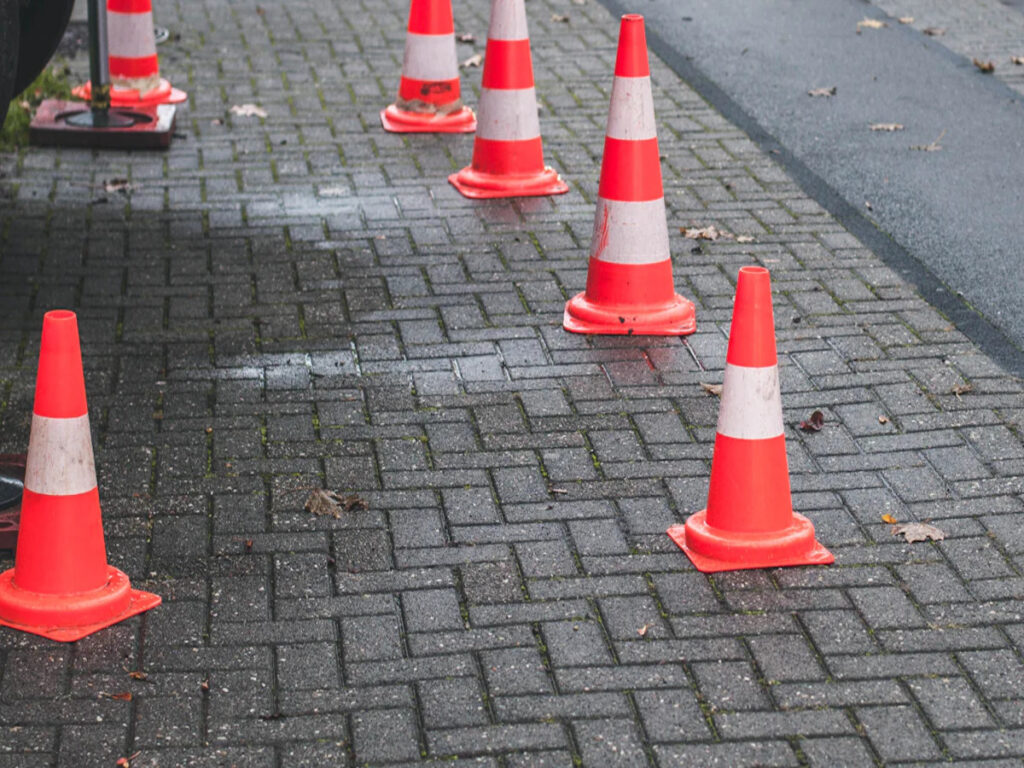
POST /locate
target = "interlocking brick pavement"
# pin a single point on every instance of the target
(303, 301)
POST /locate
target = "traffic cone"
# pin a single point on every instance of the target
(134, 67)
(61, 586)
(629, 279)
(508, 157)
(429, 95)
(749, 521)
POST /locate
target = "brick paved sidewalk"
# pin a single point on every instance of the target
(305, 302)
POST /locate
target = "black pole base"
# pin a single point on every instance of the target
(72, 124)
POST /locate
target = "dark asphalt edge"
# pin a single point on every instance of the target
(989, 338)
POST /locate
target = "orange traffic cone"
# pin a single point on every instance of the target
(134, 68)
(749, 521)
(508, 157)
(61, 586)
(429, 95)
(629, 280)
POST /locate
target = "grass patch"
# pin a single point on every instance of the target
(52, 83)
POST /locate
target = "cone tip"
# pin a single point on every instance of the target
(631, 60)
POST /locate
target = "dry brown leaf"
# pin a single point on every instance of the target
(918, 532)
(329, 503)
(205, 685)
(887, 518)
(988, 67)
(887, 127)
(744, 239)
(248, 110)
(137, 674)
(705, 233)
(643, 630)
(905, 19)
(883, 419)
(962, 389)
(814, 422)
(870, 24)
(126, 762)
(118, 185)
(468, 37)
(559, 18)
(473, 61)
(711, 389)
(934, 31)
(933, 147)
(125, 696)
(822, 91)
(1019, 60)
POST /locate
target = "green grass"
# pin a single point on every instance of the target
(52, 83)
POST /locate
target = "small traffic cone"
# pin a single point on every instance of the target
(629, 279)
(134, 67)
(429, 95)
(508, 157)
(61, 586)
(749, 521)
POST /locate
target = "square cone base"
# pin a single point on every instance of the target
(66, 618)
(397, 120)
(152, 127)
(486, 186)
(792, 546)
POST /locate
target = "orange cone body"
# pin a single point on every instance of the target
(508, 157)
(749, 521)
(629, 279)
(429, 94)
(134, 68)
(61, 586)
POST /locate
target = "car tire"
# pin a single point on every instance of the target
(42, 27)
(9, 34)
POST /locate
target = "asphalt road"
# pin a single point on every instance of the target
(950, 220)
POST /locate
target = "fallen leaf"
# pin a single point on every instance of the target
(705, 233)
(559, 18)
(643, 630)
(473, 61)
(933, 147)
(137, 674)
(1017, 60)
(870, 24)
(125, 696)
(883, 419)
(329, 503)
(205, 685)
(814, 422)
(906, 19)
(468, 37)
(744, 239)
(962, 389)
(918, 532)
(125, 762)
(822, 91)
(887, 518)
(248, 545)
(118, 185)
(711, 389)
(552, 489)
(988, 67)
(887, 127)
(934, 31)
(248, 110)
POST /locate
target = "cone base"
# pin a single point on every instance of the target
(397, 120)
(480, 186)
(164, 93)
(713, 550)
(677, 318)
(70, 617)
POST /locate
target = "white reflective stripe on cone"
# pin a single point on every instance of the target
(751, 406)
(60, 461)
(130, 35)
(430, 57)
(631, 116)
(507, 115)
(508, 20)
(630, 232)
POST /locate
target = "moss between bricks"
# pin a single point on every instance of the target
(52, 83)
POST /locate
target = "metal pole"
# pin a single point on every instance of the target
(99, 114)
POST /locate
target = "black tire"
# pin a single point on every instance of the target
(9, 34)
(42, 26)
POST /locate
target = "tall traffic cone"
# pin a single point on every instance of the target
(508, 157)
(429, 95)
(134, 67)
(61, 586)
(629, 279)
(749, 521)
